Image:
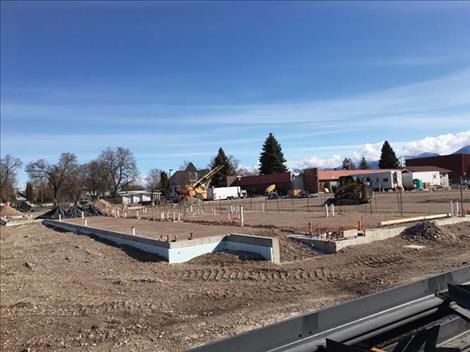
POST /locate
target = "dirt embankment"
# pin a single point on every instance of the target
(61, 291)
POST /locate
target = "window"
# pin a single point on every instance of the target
(385, 179)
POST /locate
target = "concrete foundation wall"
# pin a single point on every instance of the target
(145, 244)
(183, 254)
(371, 235)
(265, 252)
(182, 251)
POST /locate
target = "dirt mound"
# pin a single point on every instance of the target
(104, 207)
(225, 257)
(426, 231)
(7, 211)
(461, 230)
(290, 249)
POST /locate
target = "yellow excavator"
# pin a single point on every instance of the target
(351, 190)
(198, 189)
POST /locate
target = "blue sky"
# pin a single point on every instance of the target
(176, 81)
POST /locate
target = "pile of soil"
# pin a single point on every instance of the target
(104, 207)
(424, 231)
(7, 211)
(461, 230)
(290, 249)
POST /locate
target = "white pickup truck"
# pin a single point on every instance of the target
(221, 193)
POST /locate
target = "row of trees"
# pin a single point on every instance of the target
(271, 161)
(116, 169)
(9, 167)
(272, 158)
(67, 180)
(388, 160)
(348, 164)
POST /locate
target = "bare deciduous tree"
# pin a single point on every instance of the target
(9, 165)
(153, 182)
(75, 185)
(95, 179)
(55, 174)
(120, 169)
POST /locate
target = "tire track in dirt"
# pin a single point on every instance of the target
(241, 274)
(377, 261)
(353, 271)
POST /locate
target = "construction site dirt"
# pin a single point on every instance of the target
(65, 291)
(297, 214)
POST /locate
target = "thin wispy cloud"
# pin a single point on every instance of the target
(422, 60)
(445, 96)
(304, 129)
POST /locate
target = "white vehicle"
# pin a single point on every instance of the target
(221, 193)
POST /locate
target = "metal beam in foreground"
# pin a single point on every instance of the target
(358, 321)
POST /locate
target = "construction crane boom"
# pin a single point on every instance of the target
(207, 177)
(198, 189)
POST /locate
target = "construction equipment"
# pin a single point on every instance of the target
(271, 192)
(297, 193)
(351, 190)
(199, 188)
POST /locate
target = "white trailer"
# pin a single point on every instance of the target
(382, 180)
(221, 193)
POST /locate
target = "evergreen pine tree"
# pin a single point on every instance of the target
(348, 164)
(271, 159)
(363, 164)
(227, 170)
(388, 159)
(164, 184)
(29, 192)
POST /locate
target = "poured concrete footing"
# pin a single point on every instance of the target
(182, 250)
(368, 235)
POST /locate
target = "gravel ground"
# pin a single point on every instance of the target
(64, 291)
(296, 214)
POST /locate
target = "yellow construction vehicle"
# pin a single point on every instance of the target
(271, 192)
(199, 188)
(297, 193)
(351, 190)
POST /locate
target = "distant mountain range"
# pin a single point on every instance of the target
(421, 155)
(463, 150)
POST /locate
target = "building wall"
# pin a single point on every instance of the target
(431, 177)
(258, 184)
(445, 180)
(383, 180)
(311, 181)
(459, 164)
(298, 182)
